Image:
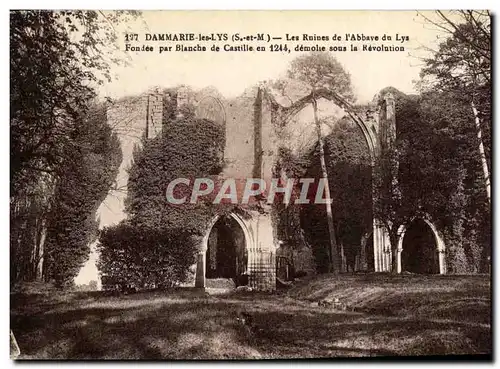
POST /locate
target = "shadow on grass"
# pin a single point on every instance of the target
(166, 329)
(209, 330)
(190, 325)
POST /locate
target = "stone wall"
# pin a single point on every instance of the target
(251, 149)
(155, 114)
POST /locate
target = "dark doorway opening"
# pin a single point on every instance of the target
(226, 251)
(420, 253)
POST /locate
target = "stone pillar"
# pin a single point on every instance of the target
(390, 106)
(202, 257)
(377, 247)
(200, 269)
(385, 141)
(154, 119)
(442, 261)
(381, 249)
(182, 100)
(400, 266)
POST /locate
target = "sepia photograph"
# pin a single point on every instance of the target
(250, 184)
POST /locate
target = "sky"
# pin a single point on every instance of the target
(233, 72)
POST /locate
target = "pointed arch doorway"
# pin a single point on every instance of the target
(421, 249)
(224, 250)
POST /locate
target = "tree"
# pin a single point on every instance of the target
(28, 228)
(93, 285)
(60, 220)
(461, 69)
(452, 174)
(323, 71)
(462, 64)
(57, 60)
(431, 172)
(88, 173)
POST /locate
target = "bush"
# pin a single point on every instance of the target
(155, 247)
(145, 257)
(189, 148)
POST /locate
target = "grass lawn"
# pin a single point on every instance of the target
(385, 316)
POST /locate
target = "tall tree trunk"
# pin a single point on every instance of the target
(334, 255)
(482, 154)
(34, 249)
(41, 246)
(393, 239)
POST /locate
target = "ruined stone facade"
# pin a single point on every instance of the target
(255, 124)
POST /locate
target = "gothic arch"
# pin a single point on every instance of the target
(241, 223)
(285, 113)
(281, 115)
(210, 107)
(202, 256)
(440, 245)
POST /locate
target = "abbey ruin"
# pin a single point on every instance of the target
(255, 126)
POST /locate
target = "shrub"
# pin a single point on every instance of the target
(145, 257)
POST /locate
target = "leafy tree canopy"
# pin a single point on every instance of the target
(63, 154)
(322, 70)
